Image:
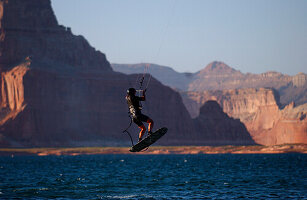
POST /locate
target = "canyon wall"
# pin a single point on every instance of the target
(82, 109)
(242, 96)
(273, 126)
(12, 92)
(295, 91)
(239, 103)
(213, 120)
(219, 76)
(165, 74)
(30, 28)
(259, 110)
(57, 90)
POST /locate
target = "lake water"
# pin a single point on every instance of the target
(226, 176)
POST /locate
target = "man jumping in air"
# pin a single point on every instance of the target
(138, 118)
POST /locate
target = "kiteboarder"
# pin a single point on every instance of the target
(135, 107)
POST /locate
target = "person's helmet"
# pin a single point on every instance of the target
(131, 91)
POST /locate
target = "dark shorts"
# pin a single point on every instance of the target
(138, 119)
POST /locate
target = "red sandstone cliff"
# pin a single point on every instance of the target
(165, 74)
(66, 92)
(239, 103)
(30, 28)
(259, 110)
(57, 90)
(212, 121)
(12, 92)
(81, 109)
(219, 76)
(284, 126)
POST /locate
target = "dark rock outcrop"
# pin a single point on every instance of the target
(259, 110)
(239, 103)
(166, 75)
(83, 109)
(262, 110)
(30, 28)
(218, 128)
(57, 90)
(65, 92)
(219, 76)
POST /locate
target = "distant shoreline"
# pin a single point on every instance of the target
(73, 151)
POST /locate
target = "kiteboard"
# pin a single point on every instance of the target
(149, 140)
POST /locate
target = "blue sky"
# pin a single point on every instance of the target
(249, 35)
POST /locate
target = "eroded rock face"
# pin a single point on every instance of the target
(292, 93)
(86, 109)
(239, 103)
(165, 74)
(259, 110)
(30, 28)
(288, 125)
(299, 80)
(12, 92)
(68, 94)
(218, 128)
(219, 76)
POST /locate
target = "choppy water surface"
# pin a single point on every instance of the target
(280, 176)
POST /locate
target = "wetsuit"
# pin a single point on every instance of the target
(135, 109)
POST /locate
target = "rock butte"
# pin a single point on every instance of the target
(258, 109)
(219, 76)
(57, 90)
(269, 114)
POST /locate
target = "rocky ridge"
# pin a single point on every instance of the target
(259, 110)
(219, 76)
(165, 74)
(243, 97)
(57, 90)
(212, 120)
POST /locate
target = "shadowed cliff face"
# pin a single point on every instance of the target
(258, 109)
(239, 103)
(68, 95)
(219, 76)
(30, 28)
(215, 76)
(166, 75)
(219, 128)
(86, 109)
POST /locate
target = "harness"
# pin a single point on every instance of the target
(126, 130)
(131, 113)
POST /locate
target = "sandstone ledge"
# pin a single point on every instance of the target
(277, 149)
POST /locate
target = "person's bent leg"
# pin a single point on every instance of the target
(143, 129)
(150, 124)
